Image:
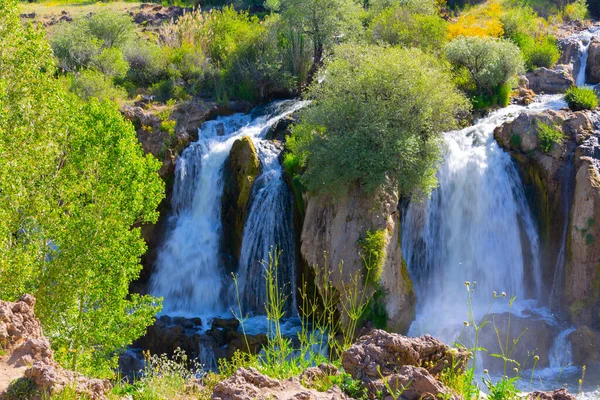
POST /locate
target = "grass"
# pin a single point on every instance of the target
(74, 8)
(549, 136)
(580, 99)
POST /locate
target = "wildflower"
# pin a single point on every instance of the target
(486, 372)
(536, 358)
(466, 323)
(516, 370)
(503, 294)
(495, 294)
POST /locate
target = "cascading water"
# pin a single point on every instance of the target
(269, 230)
(189, 274)
(584, 38)
(471, 229)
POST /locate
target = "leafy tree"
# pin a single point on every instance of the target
(375, 121)
(324, 21)
(73, 184)
(491, 63)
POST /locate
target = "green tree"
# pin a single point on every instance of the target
(74, 183)
(376, 121)
(323, 21)
(491, 63)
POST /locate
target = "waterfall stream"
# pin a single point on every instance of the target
(469, 230)
(189, 271)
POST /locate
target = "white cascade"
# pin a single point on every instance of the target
(476, 226)
(189, 272)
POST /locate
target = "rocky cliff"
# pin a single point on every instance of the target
(333, 229)
(564, 188)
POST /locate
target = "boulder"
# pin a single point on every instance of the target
(535, 337)
(281, 129)
(558, 394)
(249, 384)
(551, 81)
(569, 47)
(383, 361)
(585, 346)
(240, 170)
(592, 69)
(335, 228)
(51, 379)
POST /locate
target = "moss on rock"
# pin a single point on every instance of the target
(241, 169)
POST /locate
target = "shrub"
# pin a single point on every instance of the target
(402, 26)
(491, 63)
(519, 20)
(73, 46)
(147, 63)
(376, 121)
(113, 29)
(544, 53)
(111, 63)
(549, 136)
(94, 84)
(580, 99)
(576, 11)
(373, 254)
(481, 21)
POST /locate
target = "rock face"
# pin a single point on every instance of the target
(335, 228)
(567, 177)
(585, 345)
(592, 69)
(249, 384)
(381, 357)
(558, 394)
(22, 338)
(241, 169)
(551, 81)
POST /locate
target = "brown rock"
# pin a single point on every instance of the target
(335, 229)
(414, 383)
(558, 394)
(51, 379)
(551, 81)
(249, 384)
(592, 69)
(585, 345)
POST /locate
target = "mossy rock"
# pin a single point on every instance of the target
(241, 169)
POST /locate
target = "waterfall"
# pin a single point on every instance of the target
(269, 228)
(584, 38)
(476, 226)
(189, 270)
(560, 351)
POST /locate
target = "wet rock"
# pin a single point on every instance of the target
(240, 170)
(336, 227)
(585, 345)
(281, 129)
(558, 394)
(535, 337)
(247, 384)
(592, 69)
(551, 81)
(570, 53)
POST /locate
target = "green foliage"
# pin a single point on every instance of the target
(515, 141)
(549, 136)
(580, 99)
(74, 182)
(322, 21)
(111, 63)
(376, 121)
(90, 84)
(376, 312)
(491, 63)
(373, 254)
(350, 386)
(147, 64)
(79, 43)
(504, 389)
(576, 11)
(544, 53)
(21, 389)
(403, 26)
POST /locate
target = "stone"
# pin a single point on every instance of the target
(227, 323)
(249, 384)
(335, 229)
(281, 129)
(585, 346)
(414, 383)
(314, 374)
(240, 170)
(380, 353)
(52, 379)
(592, 69)
(558, 394)
(551, 81)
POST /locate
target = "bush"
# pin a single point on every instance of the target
(576, 11)
(401, 26)
(147, 63)
(73, 46)
(373, 254)
(111, 63)
(549, 136)
(113, 29)
(491, 63)
(376, 121)
(544, 53)
(581, 98)
(94, 84)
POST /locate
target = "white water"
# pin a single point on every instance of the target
(470, 229)
(189, 272)
(584, 39)
(269, 230)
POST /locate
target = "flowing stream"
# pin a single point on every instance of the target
(189, 272)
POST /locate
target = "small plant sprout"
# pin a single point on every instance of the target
(536, 358)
